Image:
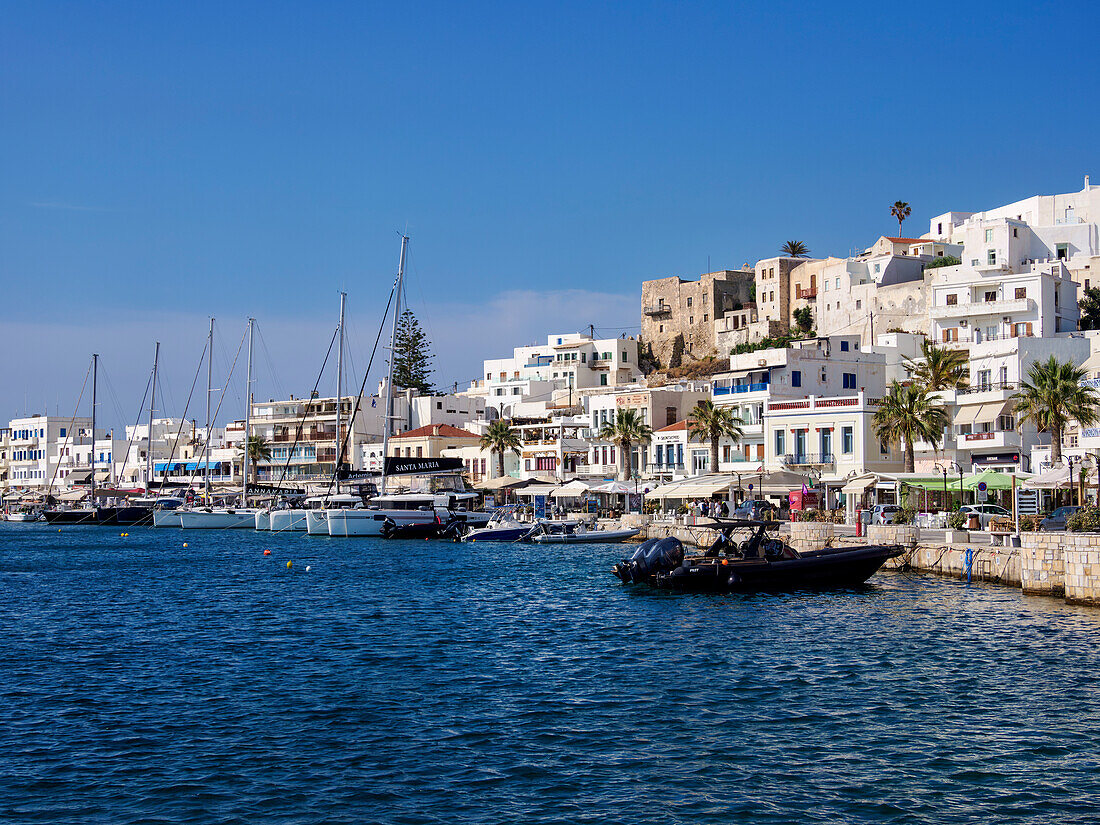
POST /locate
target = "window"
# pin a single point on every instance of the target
(843, 346)
(1063, 251)
(689, 303)
(989, 236)
(691, 319)
(1021, 292)
(1015, 232)
(826, 286)
(849, 380)
(660, 328)
(846, 440)
(780, 442)
(1022, 329)
(826, 444)
(704, 317)
(796, 378)
(625, 358)
(884, 448)
(950, 334)
(63, 429)
(877, 268)
(771, 296)
(939, 229)
(1004, 376)
(603, 379)
(859, 304)
(419, 452)
(992, 256)
(439, 404)
(983, 379)
(990, 297)
(837, 284)
(952, 299)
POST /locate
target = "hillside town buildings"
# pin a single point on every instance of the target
(1002, 286)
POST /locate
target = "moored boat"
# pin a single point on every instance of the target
(759, 562)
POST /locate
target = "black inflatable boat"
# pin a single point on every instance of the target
(746, 557)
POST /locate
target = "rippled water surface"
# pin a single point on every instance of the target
(142, 681)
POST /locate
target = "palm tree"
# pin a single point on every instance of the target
(901, 211)
(499, 439)
(258, 450)
(908, 412)
(1051, 396)
(711, 423)
(938, 368)
(626, 430)
(795, 249)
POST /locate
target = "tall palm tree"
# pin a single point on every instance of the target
(938, 368)
(499, 439)
(901, 211)
(1051, 396)
(258, 450)
(624, 432)
(795, 249)
(909, 413)
(711, 423)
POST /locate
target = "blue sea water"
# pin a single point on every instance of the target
(425, 682)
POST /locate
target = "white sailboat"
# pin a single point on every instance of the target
(227, 518)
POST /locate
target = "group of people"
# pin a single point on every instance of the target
(709, 509)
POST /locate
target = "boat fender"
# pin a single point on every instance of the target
(733, 580)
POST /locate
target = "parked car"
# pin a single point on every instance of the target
(985, 513)
(884, 513)
(1057, 519)
(754, 509)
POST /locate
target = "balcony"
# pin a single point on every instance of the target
(976, 309)
(660, 309)
(739, 388)
(996, 440)
(810, 460)
(806, 293)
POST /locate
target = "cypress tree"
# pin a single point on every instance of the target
(412, 356)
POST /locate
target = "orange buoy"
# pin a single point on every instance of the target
(267, 552)
(185, 544)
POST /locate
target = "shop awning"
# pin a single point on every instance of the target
(968, 414)
(574, 489)
(859, 485)
(1057, 478)
(73, 495)
(707, 486)
(500, 483)
(989, 412)
(536, 490)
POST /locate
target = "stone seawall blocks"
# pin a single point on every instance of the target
(1042, 564)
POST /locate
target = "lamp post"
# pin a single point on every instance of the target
(943, 469)
(1072, 482)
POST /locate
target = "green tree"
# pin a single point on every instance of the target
(258, 450)
(711, 423)
(626, 430)
(1051, 396)
(938, 368)
(499, 439)
(795, 249)
(943, 260)
(804, 317)
(412, 356)
(1090, 309)
(908, 413)
(901, 211)
(647, 361)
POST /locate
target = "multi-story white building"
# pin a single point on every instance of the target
(5, 446)
(831, 440)
(990, 301)
(34, 447)
(552, 375)
(1039, 229)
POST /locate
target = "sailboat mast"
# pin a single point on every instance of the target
(209, 389)
(152, 401)
(95, 376)
(247, 414)
(339, 391)
(388, 406)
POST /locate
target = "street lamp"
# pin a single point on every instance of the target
(1072, 482)
(943, 469)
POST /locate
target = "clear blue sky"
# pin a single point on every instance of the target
(160, 163)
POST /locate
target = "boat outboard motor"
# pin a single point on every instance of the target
(652, 557)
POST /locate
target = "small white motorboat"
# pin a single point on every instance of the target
(581, 535)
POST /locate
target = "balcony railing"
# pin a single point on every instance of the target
(739, 388)
(809, 460)
(806, 293)
(660, 309)
(987, 387)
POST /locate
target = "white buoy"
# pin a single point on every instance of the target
(307, 568)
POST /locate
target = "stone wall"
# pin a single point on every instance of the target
(809, 535)
(988, 564)
(906, 535)
(726, 338)
(1081, 553)
(1042, 565)
(673, 307)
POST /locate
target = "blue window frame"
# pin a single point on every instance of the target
(796, 378)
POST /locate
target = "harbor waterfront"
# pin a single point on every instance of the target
(427, 682)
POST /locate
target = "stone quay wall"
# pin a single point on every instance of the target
(1042, 564)
(1081, 553)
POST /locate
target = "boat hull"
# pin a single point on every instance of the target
(289, 520)
(593, 537)
(133, 516)
(166, 518)
(22, 517)
(361, 522)
(72, 517)
(317, 522)
(505, 534)
(822, 569)
(231, 519)
(263, 520)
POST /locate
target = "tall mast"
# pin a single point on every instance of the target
(209, 388)
(149, 447)
(247, 414)
(388, 406)
(95, 374)
(339, 392)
